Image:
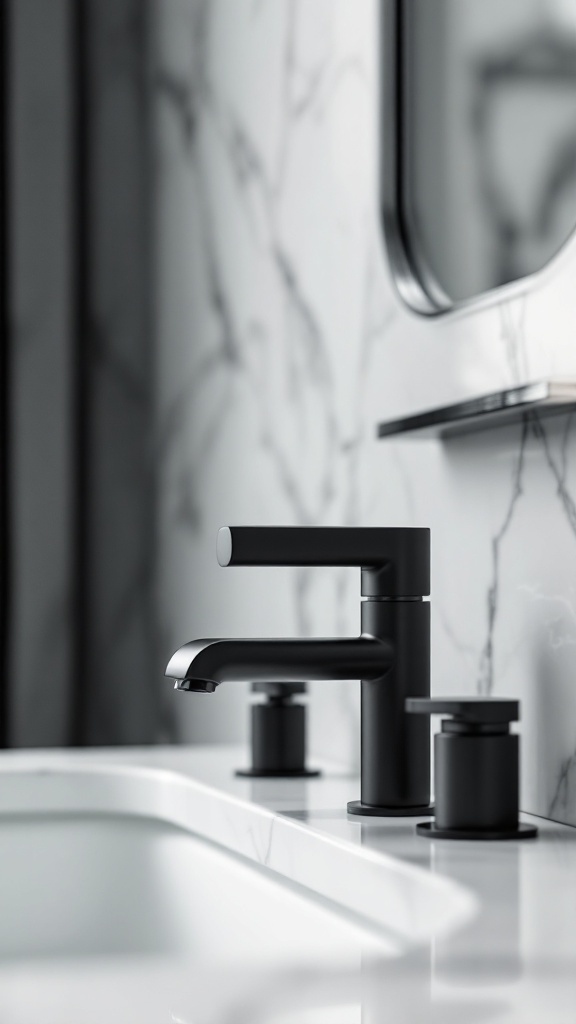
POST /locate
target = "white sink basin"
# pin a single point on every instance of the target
(112, 918)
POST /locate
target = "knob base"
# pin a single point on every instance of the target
(357, 807)
(262, 773)
(430, 830)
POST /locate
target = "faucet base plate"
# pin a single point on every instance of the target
(255, 773)
(357, 807)
(430, 830)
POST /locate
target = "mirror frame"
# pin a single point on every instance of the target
(420, 294)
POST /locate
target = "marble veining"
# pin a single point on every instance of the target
(486, 675)
(283, 343)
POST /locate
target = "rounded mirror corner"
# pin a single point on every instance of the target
(478, 161)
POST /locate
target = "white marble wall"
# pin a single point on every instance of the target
(283, 342)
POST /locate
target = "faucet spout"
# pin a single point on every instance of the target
(201, 665)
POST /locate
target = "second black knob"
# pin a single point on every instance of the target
(476, 769)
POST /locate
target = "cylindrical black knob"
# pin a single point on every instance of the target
(476, 780)
(476, 765)
(278, 737)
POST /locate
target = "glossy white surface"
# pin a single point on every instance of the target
(110, 911)
(486, 930)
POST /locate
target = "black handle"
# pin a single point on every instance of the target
(472, 710)
(395, 561)
(476, 768)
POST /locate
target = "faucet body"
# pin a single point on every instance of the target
(391, 656)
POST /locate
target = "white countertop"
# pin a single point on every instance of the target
(489, 928)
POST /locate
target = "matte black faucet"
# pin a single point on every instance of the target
(391, 656)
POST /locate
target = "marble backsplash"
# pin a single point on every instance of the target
(283, 342)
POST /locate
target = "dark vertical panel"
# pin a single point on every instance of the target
(121, 672)
(116, 682)
(80, 335)
(5, 545)
(40, 263)
(82, 631)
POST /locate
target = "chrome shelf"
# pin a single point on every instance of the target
(501, 408)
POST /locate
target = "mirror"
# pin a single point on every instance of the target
(479, 169)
